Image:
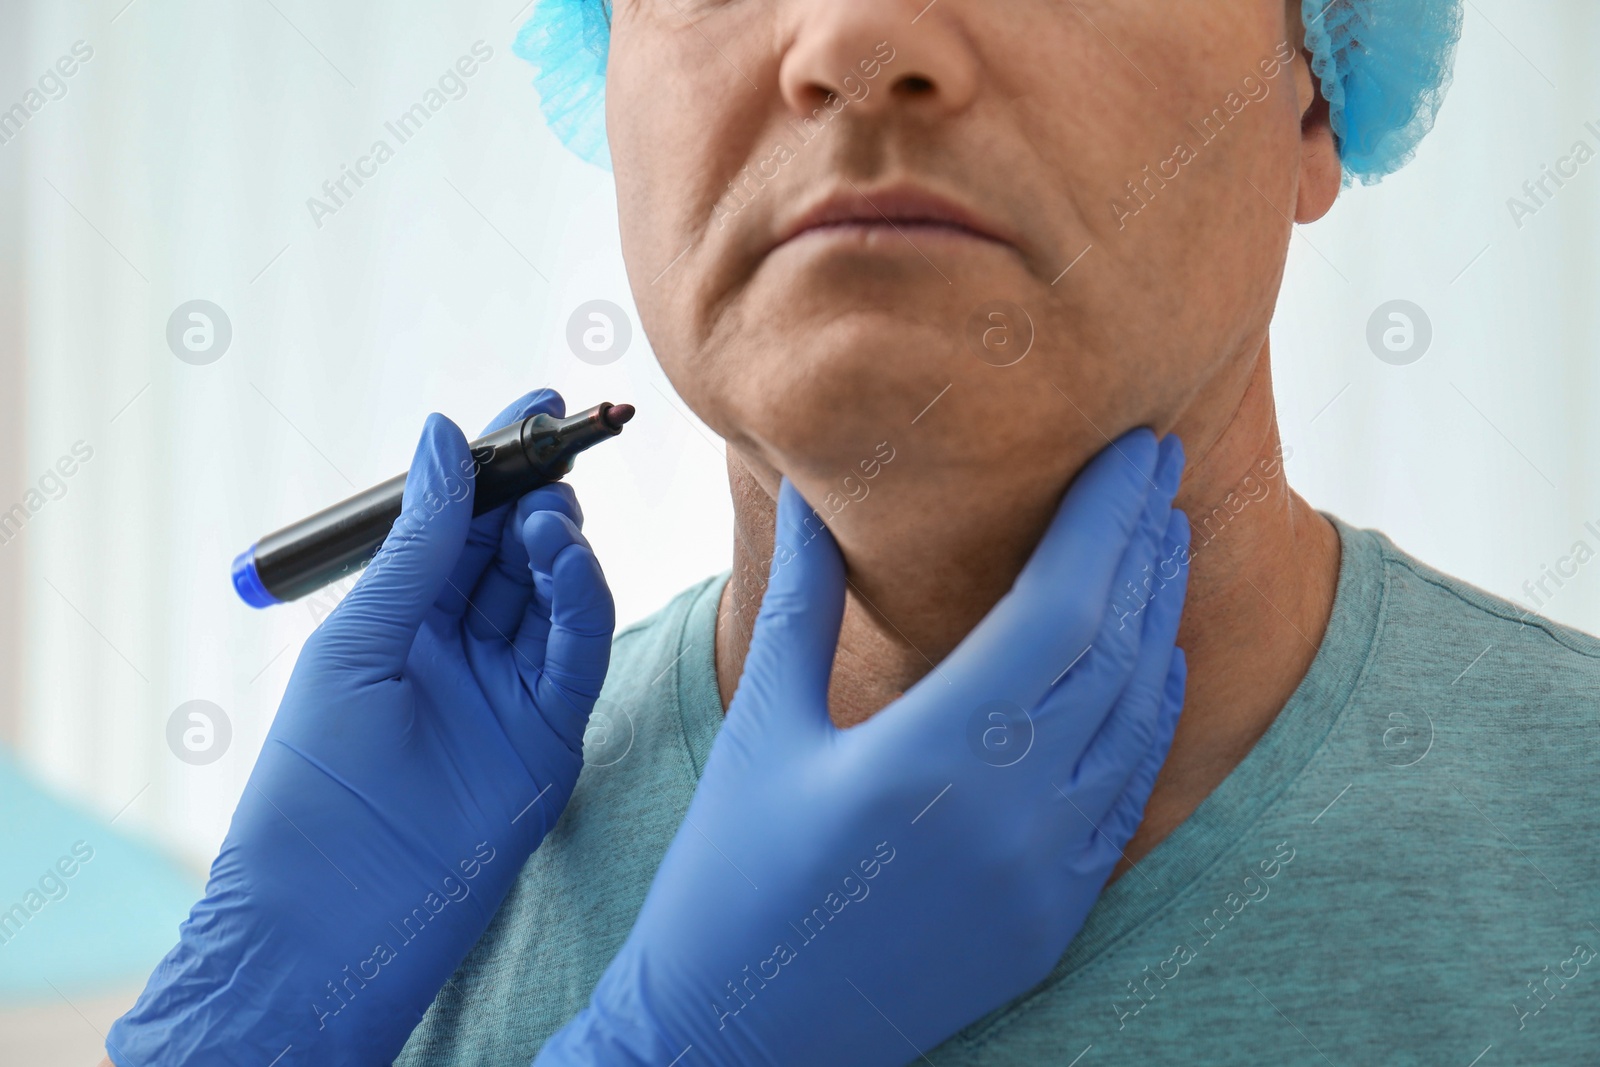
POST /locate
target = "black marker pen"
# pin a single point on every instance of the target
(340, 540)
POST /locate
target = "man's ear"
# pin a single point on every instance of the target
(1321, 174)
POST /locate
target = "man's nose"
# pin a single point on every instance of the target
(880, 55)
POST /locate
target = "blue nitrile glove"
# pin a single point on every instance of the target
(857, 896)
(430, 735)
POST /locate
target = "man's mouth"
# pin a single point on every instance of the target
(908, 211)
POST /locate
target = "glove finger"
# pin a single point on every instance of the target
(484, 538)
(507, 586)
(579, 625)
(1056, 605)
(372, 628)
(1113, 833)
(1086, 694)
(784, 686)
(1118, 749)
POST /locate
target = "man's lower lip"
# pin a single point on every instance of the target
(902, 232)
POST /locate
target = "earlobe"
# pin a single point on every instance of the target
(1321, 173)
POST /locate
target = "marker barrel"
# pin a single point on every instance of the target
(337, 541)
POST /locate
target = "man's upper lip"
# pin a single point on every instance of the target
(897, 205)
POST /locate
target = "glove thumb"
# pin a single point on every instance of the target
(372, 629)
(785, 679)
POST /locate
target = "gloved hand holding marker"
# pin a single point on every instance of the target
(430, 736)
(338, 541)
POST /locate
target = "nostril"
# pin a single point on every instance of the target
(915, 85)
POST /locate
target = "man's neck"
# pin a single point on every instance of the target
(1261, 588)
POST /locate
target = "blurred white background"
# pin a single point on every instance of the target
(177, 165)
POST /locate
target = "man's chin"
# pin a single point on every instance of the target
(824, 410)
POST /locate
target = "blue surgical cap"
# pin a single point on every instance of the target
(1384, 66)
(567, 42)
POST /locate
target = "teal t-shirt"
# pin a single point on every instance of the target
(1402, 871)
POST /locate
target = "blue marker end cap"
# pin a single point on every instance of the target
(247, 583)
